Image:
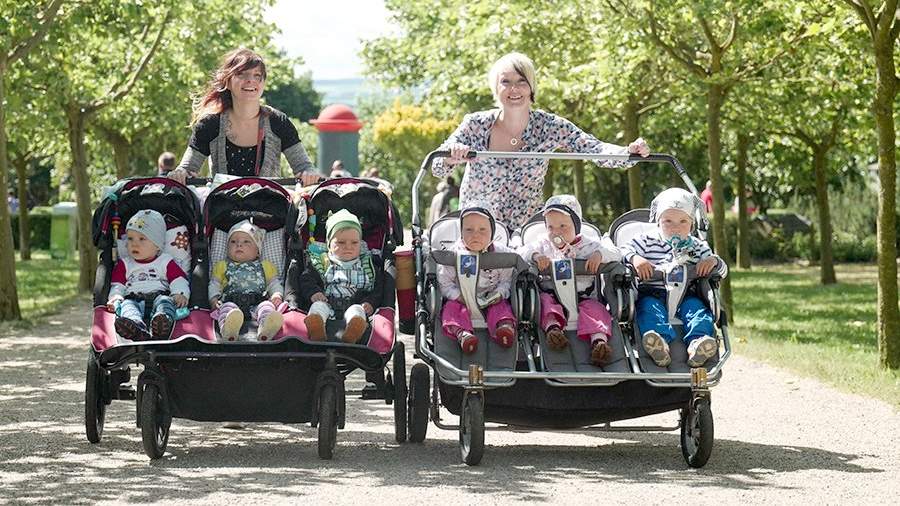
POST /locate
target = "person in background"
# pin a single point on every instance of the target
(338, 170)
(707, 197)
(165, 163)
(12, 202)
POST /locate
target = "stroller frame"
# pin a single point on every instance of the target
(696, 418)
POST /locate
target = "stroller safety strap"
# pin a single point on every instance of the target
(467, 272)
(676, 285)
(565, 287)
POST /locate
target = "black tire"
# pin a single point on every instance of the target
(96, 380)
(327, 422)
(419, 402)
(154, 426)
(471, 429)
(697, 433)
(399, 375)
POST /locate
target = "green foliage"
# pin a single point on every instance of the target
(297, 98)
(39, 222)
(404, 134)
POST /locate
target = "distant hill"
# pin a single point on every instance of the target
(347, 91)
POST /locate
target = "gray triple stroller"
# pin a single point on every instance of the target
(531, 386)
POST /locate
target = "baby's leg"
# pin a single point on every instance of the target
(501, 323)
(268, 319)
(697, 318)
(457, 325)
(163, 318)
(455, 317)
(315, 320)
(651, 315)
(593, 320)
(230, 319)
(355, 323)
(130, 322)
(552, 312)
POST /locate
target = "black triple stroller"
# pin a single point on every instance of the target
(195, 375)
(532, 386)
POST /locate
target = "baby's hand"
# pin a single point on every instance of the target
(542, 261)
(318, 297)
(276, 299)
(643, 267)
(368, 308)
(112, 303)
(180, 300)
(215, 303)
(706, 266)
(594, 262)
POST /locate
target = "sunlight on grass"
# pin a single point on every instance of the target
(43, 284)
(784, 316)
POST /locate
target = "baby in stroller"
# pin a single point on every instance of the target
(147, 276)
(491, 291)
(344, 278)
(239, 285)
(671, 244)
(562, 217)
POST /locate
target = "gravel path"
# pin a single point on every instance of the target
(779, 439)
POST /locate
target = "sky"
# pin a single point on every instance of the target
(327, 34)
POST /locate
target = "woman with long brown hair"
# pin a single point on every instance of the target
(236, 132)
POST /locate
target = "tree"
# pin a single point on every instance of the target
(883, 25)
(20, 33)
(296, 97)
(718, 44)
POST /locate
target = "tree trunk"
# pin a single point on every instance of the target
(121, 151)
(888, 313)
(715, 98)
(630, 126)
(825, 232)
(24, 222)
(87, 254)
(548, 182)
(578, 182)
(9, 296)
(743, 230)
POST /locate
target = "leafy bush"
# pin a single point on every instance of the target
(39, 220)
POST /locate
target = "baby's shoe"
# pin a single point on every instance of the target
(270, 325)
(657, 348)
(130, 329)
(315, 327)
(556, 338)
(231, 325)
(600, 352)
(356, 327)
(467, 341)
(161, 326)
(700, 350)
(505, 334)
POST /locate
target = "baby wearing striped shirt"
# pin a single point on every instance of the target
(673, 211)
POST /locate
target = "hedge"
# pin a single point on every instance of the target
(39, 219)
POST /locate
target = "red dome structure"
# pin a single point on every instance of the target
(337, 118)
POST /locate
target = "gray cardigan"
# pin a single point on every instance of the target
(208, 140)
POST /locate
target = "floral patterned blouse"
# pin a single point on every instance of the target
(514, 186)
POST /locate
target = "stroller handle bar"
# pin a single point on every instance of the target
(653, 157)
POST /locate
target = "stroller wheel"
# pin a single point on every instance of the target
(400, 392)
(471, 428)
(419, 381)
(697, 433)
(327, 422)
(154, 426)
(94, 406)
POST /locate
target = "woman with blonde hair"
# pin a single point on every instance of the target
(514, 186)
(238, 134)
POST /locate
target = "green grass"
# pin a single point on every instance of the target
(43, 285)
(785, 317)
